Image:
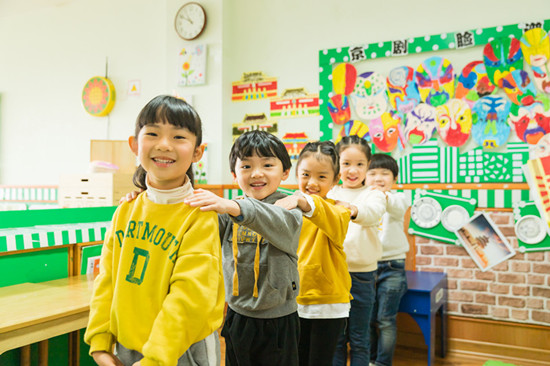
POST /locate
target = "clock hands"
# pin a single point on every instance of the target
(184, 17)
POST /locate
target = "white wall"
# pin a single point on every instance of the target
(50, 48)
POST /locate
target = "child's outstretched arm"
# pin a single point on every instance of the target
(352, 208)
(295, 200)
(331, 219)
(397, 204)
(279, 226)
(208, 201)
(370, 208)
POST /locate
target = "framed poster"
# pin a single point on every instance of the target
(484, 242)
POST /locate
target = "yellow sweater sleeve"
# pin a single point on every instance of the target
(331, 219)
(98, 334)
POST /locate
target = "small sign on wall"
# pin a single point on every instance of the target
(134, 88)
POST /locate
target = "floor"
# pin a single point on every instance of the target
(418, 357)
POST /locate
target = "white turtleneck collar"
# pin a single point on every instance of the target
(168, 196)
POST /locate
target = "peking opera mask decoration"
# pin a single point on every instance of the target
(339, 108)
(535, 45)
(473, 83)
(420, 124)
(343, 81)
(454, 122)
(402, 89)
(531, 122)
(490, 121)
(518, 87)
(385, 131)
(435, 80)
(502, 56)
(541, 149)
(369, 95)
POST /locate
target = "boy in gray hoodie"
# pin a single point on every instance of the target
(259, 243)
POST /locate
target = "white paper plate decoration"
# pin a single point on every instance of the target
(530, 229)
(454, 217)
(426, 212)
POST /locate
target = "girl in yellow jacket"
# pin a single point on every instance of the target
(159, 294)
(325, 283)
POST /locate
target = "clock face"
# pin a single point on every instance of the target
(190, 21)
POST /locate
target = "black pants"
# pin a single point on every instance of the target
(318, 339)
(260, 342)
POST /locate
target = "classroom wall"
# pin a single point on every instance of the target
(50, 48)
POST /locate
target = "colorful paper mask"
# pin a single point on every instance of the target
(473, 83)
(454, 122)
(502, 56)
(344, 77)
(490, 128)
(420, 124)
(435, 80)
(531, 123)
(339, 109)
(535, 46)
(541, 149)
(402, 89)
(351, 128)
(518, 87)
(385, 131)
(369, 95)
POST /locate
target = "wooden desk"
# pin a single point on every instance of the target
(32, 312)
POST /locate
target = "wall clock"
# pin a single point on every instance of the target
(190, 21)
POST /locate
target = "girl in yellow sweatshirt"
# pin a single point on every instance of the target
(159, 294)
(325, 283)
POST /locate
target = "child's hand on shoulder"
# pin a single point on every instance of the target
(103, 358)
(295, 200)
(288, 202)
(208, 201)
(129, 197)
(352, 208)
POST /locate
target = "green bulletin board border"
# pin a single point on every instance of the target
(436, 42)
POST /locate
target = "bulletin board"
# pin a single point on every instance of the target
(432, 162)
(454, 41)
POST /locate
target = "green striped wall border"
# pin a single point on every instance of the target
(486, 198)
(51, 235)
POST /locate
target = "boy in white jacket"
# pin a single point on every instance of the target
(391, 281)
(362, 246)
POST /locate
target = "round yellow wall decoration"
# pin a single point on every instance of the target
(98, 96)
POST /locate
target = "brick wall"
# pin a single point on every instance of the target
(517, 289)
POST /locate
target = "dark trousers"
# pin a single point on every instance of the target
(318, 339)
(260, 342)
